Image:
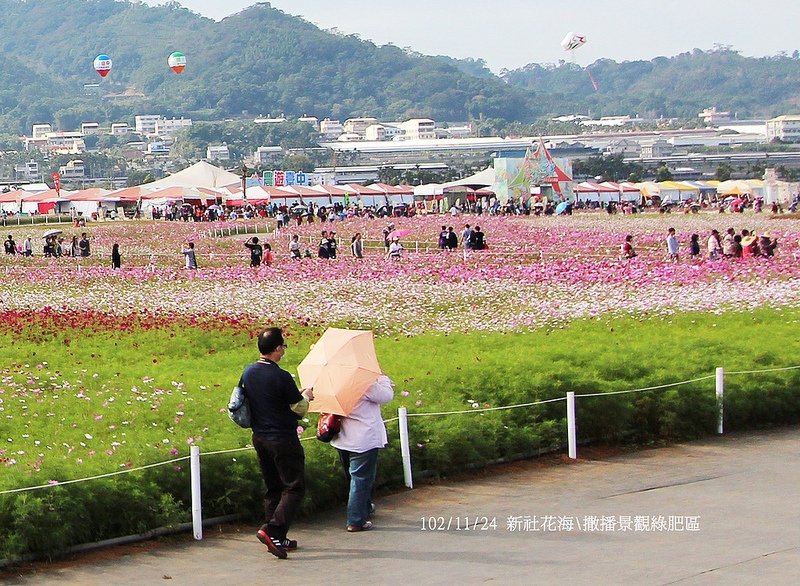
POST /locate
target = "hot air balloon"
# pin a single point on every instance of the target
(102, 65)
(574, 41)
(177, 62)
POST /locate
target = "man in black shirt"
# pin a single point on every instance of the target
(10, 246)
(256, 251)
(275, 407)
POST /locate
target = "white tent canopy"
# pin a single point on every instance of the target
(201, 174)
(483, 178)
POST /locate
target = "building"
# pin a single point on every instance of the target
(165, 127)
(119, 129)
(72, 171)
(625, 147)
(38, 131)
(330, 129)
(312, 120)
(358, 125)
(218, 153)
(27, 171)
(266, 155)
(65, 142)
(713, 117)
(146, 124)
(418, 129)
(656, 149)
(785, 128)
(375, 132)
(270, 120)
(157, 147)
(90, 128)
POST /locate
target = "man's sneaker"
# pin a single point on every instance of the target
(356, 528)
(273, 545)
(289, 544)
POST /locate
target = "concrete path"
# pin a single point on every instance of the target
(719, 511)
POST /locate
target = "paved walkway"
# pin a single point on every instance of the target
(739, 492)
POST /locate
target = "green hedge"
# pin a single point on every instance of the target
(436, 373)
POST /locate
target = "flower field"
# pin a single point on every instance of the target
(107, 370)
(538, 272)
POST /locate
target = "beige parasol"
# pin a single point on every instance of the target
(340, 368)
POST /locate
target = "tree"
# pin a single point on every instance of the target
(723, 172)
(663, 173)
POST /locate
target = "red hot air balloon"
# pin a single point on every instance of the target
(102, 65)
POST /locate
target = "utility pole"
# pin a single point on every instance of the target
(244, 182)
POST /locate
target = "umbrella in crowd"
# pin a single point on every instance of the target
(50, 233)
(340, 368)
(399, 233)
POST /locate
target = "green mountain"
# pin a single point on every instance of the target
(679, 86)
(262, 61)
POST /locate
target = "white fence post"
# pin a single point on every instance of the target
(720, 397)
(572, 446)
(197, 507)
(404, 447)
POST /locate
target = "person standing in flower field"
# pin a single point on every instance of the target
(627, 247)
(395, 249)
(83, 245)
(714, 246)
(116, 257)
(190, 256)
(10, 246)
(672, 245)
(357, 246)
(256, 251)
(466, 236)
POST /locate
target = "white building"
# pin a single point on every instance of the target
(375, 132)
(358, 125)
(157, 147)
(312, 120)
(418, 129)
(165, 127)
(72, 170)
(38, 131)
(656, 148)
(90, 128)
(65, 142)
(330, 129)
(119, 129)
(146, 123)
(713, 117)
(265, 155)
(218, 153)
(785, 128)
(27, 171)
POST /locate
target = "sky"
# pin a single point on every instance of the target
(517, 32)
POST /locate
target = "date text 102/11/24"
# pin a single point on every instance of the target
(466, 523)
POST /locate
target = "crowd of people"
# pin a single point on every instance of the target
(745, 244)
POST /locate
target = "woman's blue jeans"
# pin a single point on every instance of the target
(360, 470)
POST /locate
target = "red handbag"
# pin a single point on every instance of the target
(328, 426)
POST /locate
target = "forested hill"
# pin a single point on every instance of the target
(262, 61)
(679, 86)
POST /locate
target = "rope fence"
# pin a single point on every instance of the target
(402, 418)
